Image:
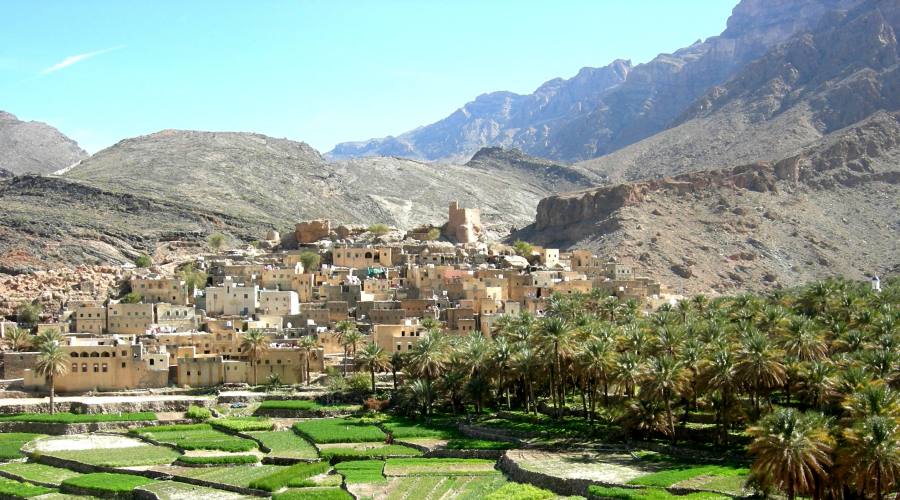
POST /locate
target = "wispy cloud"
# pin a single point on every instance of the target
(65, 63)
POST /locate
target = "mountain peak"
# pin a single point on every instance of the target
(35, 147)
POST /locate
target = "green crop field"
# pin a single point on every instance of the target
(218, 460)
(78, 418)
(173, 490)
(243, 424)
(31, 471)
(339, 430)
(350, 452)
(239, 475)
(286, 444)
(15, 489)
(647, 494)
(11, 443)
(403, 428)
(295, 475)
(436, 487)
(519, 491)
(197, 437)
(103, 483)
(669, 477)
(438, 467)
(362, 471)
(479, 444)
(313, 494)
(303, 405)
(120, 457)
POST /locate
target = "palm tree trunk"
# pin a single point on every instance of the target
(52, 391)
(307, 368)
(669, 418)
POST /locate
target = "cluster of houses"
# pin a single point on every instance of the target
(169, 334)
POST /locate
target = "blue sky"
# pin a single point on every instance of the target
(317, 71)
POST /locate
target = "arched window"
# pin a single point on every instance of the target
(95, 354)
(368, 255)
(74, 355)
(96, 368)
(83, 367)
(74, 367)
(104, 354)
(84, 355)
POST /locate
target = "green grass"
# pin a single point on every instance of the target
(31, 471)
(197, 437)
(104, 483)
(243, 424)
(198, 413)
(286, 444)
(218, 460)
(11, 443)
(78, 418)
(238, 475)
(173, 490)
(313, 494)
(121, 457)
(647, 494)
(362, 471)
(295, 475)
(15, 489)
(436, 487)
(388, 450)
(542, 425)
(479, 444)
(403, 428)
(338, 430)
(302, 405)
(666, 478)
(439, 467)
(518, 491)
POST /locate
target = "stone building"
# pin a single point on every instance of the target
(463, 224)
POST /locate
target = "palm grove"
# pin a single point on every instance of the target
(804, 381)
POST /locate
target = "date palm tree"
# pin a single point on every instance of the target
(373, 359)
(307, 345)
(526, 363)
(870, 456)
(254, 343)
(351, 339)
(17, 338)
(664, 381)
(759, 366)
(720, 374)
(792, 451)
(556, 338)
(52, 361)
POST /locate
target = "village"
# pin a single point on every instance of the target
(263, 315)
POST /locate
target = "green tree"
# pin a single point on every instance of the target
(792, 451)
(310, 261)
(29, 314)
(52, 361)
(307, 345)
(216, 242)
(523, 248)
(664, 381)
(433, 234)
(557, 339)
(194, 279)
(17, 338)
(869, 458)
(373, 359)
(254, 343)
(143, 260)
(379, 229)
(132, 298)
(48, 336)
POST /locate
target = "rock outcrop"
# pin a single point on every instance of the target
(34, 147)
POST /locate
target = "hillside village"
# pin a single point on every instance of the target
(263, 314)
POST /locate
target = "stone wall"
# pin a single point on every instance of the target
(70, 429)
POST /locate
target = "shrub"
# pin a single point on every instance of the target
(379, 229)
(313, 494)
(132, 298)
(29, 314)
(310, 261)
(105, 483)
(519, 491)
(15, 489)
(143, 261)
(198, 413)
(243, 424)
(77, 418)
(359, 383)
(334, 430)
(219, 460)
(289, 476)
(362, 471)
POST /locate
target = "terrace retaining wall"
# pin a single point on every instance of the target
(57, 429)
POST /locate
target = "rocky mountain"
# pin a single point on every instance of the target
(277, 181)
(817, 82)
(48, 222)
(35, 147)
(831, 209)
(604, 109)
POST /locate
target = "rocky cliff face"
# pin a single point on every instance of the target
(603, 109)
(831, 77)
(34, 147)
(832, 208)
